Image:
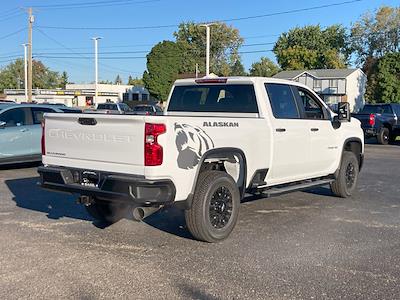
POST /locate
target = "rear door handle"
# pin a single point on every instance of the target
(280, 129)
(314, 129)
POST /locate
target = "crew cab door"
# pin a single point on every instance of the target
(291, 138)
(324, 147)
(15, 136)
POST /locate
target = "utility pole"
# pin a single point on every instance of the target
(197, 70)
(96, 72)
(25, 71)
(31, 19)
(207, 26)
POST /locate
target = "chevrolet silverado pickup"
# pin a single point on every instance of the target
(218, 139)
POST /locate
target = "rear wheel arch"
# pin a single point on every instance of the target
(215, 159)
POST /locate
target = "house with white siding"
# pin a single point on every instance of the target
(333, 85)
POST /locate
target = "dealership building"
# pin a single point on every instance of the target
(82, 95)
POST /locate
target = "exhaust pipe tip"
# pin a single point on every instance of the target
(140, 213)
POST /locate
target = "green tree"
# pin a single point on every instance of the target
(374, 35)
(63, 80)
(163, 66)
(105, 81)
(224, 45)
(388, 79)
(237, 69)
(311, 47)
(118, 80)
(264, 68)
(135, 81)
(42, 76)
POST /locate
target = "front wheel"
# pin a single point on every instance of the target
(346, 181)
(215, 207)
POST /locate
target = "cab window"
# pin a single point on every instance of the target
(38, 112)
(16, 117)
(282, 101)
(313, 109)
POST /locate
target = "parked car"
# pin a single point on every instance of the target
(220, 138)
(64, 108)
(20, 131)
(381, 121)
(147, 109)
(112, 108)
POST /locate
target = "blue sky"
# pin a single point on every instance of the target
(142, 13)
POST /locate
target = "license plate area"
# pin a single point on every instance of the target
(90, 178)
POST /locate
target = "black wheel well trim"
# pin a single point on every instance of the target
(186, 204)
(388, 126)
(360, 159)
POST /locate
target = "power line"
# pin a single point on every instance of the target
(223, 20)
(258, 44)
(12, 33)
(134, 57)
(291, 11)
(80, 56)
(8, 12)
(88, 53)
(92, 4)
(130, 52)
(10, 60)
(57, 42)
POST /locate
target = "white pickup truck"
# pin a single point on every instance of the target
(219, 139)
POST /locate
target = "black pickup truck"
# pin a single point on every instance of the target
(381, 121)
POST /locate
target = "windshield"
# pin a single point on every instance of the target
(377, 109)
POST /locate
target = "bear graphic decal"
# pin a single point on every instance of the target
(191, 142)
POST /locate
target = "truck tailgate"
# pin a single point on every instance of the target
(95, 141)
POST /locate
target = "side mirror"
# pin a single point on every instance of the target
(2, 124)
(344, 112)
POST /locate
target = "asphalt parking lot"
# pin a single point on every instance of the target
(298, 246)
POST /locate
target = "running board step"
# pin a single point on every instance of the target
(295, 187)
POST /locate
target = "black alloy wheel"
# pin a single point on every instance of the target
(221, 206)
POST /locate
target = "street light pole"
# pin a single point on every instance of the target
(30, 63)
(96, 73)
(25, 71)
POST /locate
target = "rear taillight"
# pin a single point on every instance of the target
(43, 140)
(372, 119)
(153, 152)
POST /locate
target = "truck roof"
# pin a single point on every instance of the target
(233, 79)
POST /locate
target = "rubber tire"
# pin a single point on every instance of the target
(108, 212)
(339, 187)
(381, 136)
(197, 217)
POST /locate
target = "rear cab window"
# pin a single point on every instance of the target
(377, 109)
(107, 106)
(230, 98)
